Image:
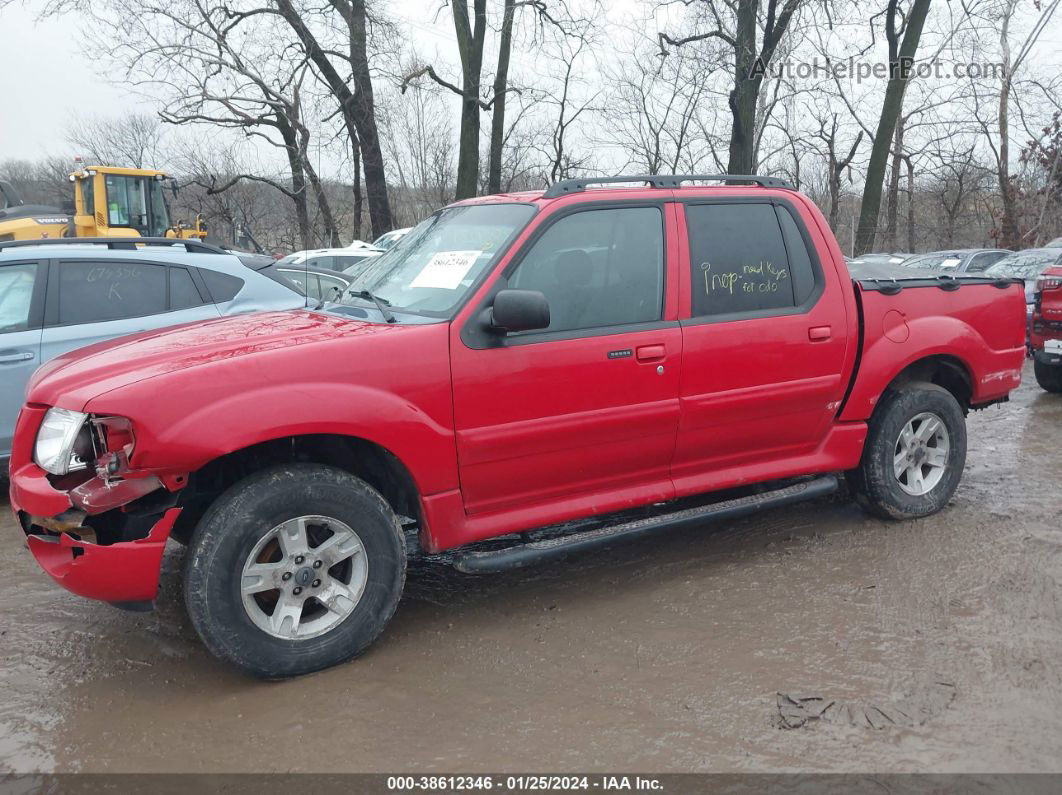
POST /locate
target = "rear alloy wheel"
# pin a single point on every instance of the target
(914, 454)
(920, 456)
(294, 569)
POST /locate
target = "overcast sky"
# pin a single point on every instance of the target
(48, 75)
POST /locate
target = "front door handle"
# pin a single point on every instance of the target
(819, 333)
(650, 353)
(13, 357)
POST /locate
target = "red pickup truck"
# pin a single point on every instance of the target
(1045, 334)
(648, 356)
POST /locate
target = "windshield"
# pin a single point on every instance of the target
(430, 269)
(136, 203)
(1023, 265)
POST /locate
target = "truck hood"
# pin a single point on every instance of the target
(75, 378)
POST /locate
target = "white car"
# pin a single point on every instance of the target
(333, 259)
(388, 239)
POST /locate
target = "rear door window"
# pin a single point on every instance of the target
(747, 258)
(982, 261)
(97, 291)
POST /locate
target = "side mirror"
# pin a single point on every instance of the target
(519, 310)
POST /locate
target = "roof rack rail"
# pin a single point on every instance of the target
(566, 186)
(120, 243)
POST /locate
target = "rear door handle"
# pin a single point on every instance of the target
(13, 357)
(650, 353)
(819, 333)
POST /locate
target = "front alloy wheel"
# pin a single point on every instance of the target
(304, 577)
(296, 568)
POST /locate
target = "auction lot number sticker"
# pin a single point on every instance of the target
(524, 783)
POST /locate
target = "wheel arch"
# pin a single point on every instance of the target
(946, 371)
(363, 458)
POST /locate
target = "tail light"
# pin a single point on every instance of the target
(1044, 283)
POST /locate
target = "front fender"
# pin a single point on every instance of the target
(186, 442)
(397, 396)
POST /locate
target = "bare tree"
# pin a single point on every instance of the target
(902, 32)
(736, 24)
(836, 163)
(356, 101)
(131, 141)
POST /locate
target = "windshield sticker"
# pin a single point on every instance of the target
(446, 269)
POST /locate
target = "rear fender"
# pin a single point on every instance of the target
(992, 373)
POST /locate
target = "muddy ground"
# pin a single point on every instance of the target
(932, 645)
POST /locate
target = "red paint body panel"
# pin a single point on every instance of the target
(508, 438)
(759, 389)
(983, 328)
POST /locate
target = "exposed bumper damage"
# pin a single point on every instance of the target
(125, 573)
(85, 539)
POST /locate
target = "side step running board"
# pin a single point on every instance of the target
(521, 555)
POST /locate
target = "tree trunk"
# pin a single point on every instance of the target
(358, 201)
(298, 181)
(331, 235)
(358, 106)
(470, 38)
(893, 201)
(1008, 227)
(746, 90)
(910, 206)
(501, 79)
(890, 113)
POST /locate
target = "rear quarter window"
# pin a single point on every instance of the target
(222, 286)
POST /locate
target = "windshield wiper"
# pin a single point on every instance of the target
(381, 303)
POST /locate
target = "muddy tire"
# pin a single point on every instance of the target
(1048, 376)
(914, 454)
(294, 569)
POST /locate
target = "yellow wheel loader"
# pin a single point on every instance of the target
(108, 202)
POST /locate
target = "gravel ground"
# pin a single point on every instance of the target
(808, 638)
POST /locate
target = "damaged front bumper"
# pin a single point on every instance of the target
(125, 573)
(98, 539)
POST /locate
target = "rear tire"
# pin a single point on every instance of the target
(274, 542)
(902, 475)
(1048, 376)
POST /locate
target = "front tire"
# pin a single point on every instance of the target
(1048, 376)
(914, 454)
(294, 569)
